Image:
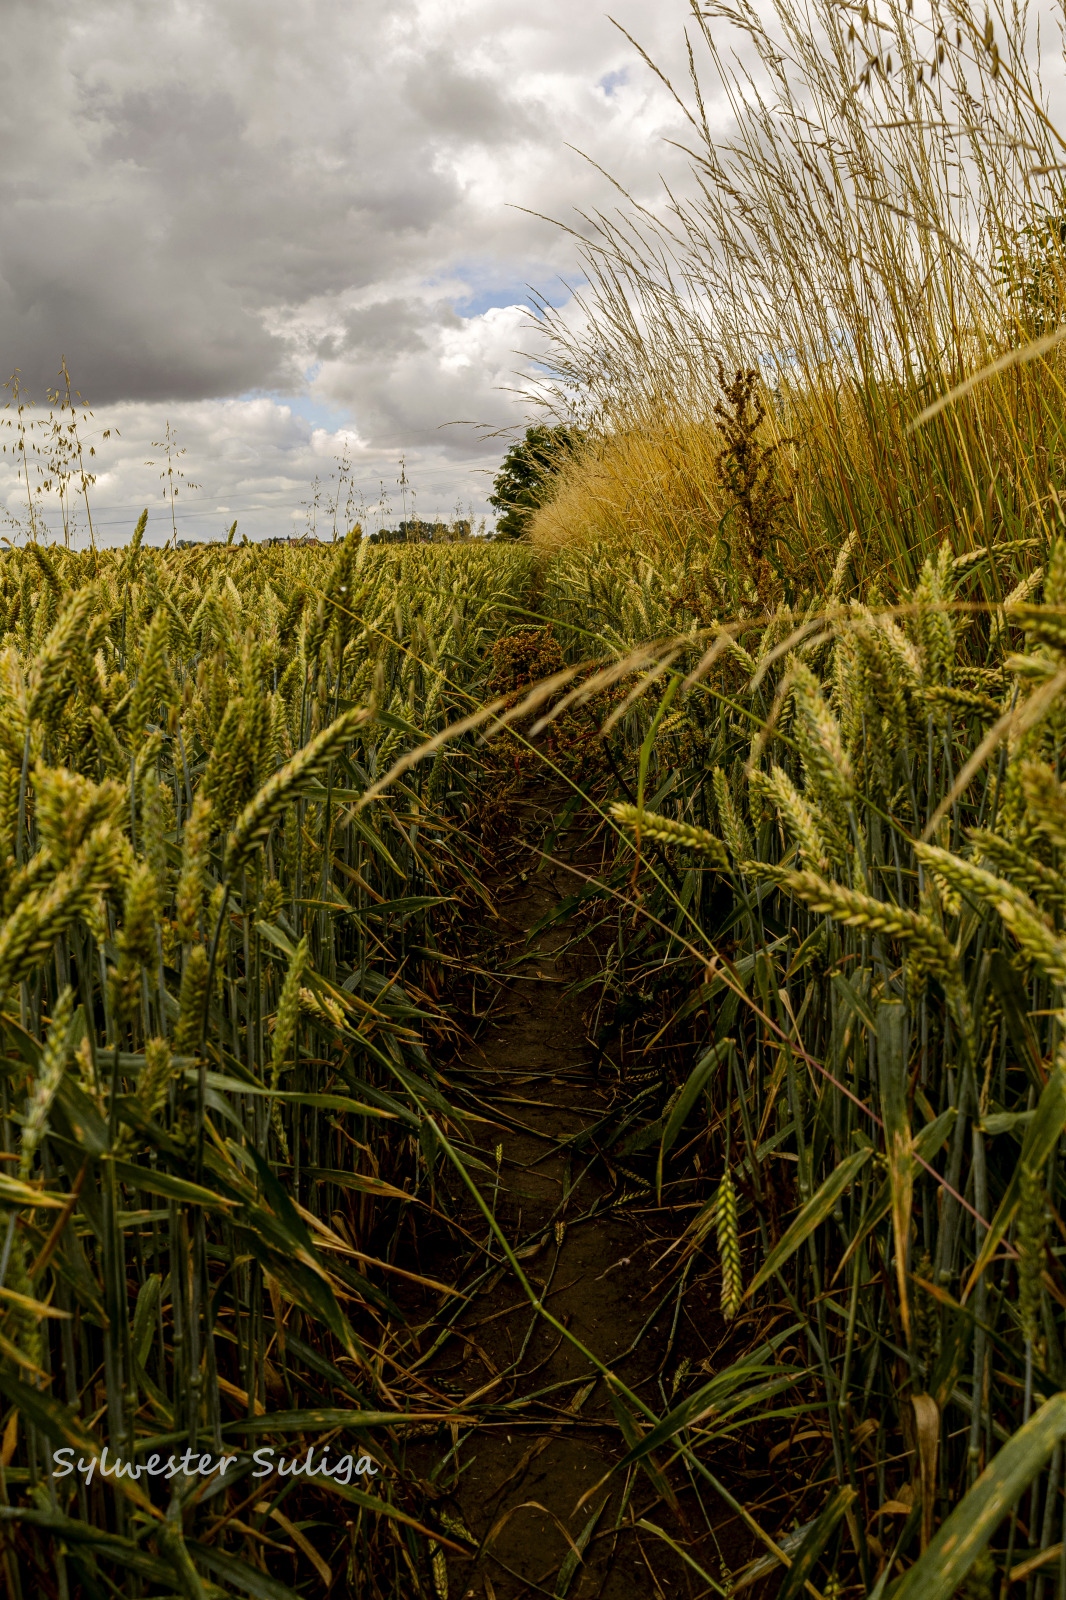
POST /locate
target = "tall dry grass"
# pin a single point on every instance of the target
(657, 485)
(867, 236)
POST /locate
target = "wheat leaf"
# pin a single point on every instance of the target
(937, 1574)
(814, 1212)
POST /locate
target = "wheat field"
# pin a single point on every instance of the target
(218, 986)
(787, 640)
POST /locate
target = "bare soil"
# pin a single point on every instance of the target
(526, 1478)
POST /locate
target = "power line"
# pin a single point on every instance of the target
(134, 508)
(284, 507)
(129, 518)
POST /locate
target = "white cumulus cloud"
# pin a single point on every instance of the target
(299, 230)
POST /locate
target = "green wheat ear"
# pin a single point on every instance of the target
(288, 1010)
(821, 744)
(1030, 1235)
(856, 910)
(729, 1247)
(667, 830)
(260, 814)
(934, 624)
(806, 824)
(191, 1002)
(52, 1065)
(1045, 799)
(194, 863)
(732, 823)
(966, 878)
(153, 677)
(23, 1322)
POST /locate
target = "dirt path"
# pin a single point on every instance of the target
(548, 1433)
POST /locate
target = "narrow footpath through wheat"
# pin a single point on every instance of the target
(588, 1241)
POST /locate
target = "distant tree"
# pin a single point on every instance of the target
(524, 481)
(415, 531)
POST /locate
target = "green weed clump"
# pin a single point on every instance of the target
(217, 993)
(569, 742)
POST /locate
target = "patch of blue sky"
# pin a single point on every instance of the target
(484, 295)
(316, 413)
(840, 340)
(490, 298)
(613, 80)
(560, 295)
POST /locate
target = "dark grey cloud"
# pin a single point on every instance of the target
(387, 328)
(255, 197)
(473, 107)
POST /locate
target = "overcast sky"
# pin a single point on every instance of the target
(296, 229)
